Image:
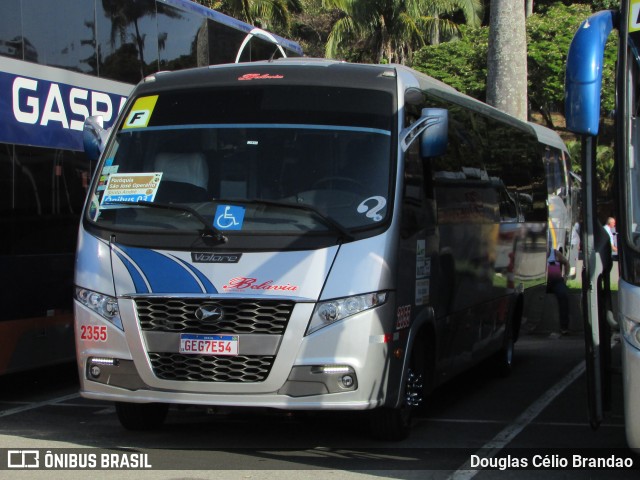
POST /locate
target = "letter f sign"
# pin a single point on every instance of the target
(137, 119)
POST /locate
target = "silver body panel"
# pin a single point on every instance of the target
(629, 305)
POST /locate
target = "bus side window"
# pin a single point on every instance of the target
(462, 185)
(512, 152)
(413, 218)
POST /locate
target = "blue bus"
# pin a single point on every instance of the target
(51, 79)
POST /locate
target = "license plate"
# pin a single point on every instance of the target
(209, 344)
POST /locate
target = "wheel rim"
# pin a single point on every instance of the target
(414, 388)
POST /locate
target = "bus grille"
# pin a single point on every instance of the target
(240, 316)
(203, 368)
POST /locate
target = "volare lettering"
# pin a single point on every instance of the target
(38, 102)
(204, 257)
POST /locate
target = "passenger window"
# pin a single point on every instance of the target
(417, 201)
(464, 190)
(522, 179)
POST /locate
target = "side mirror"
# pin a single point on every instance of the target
(434, 137)
(94, 137)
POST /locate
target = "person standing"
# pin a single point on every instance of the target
(557, 272)
(574, 254)
(610, 227)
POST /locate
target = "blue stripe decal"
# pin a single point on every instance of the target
(208, 286)
(138, 280)
(163, 274)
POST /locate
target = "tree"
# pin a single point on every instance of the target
(507, 58)
(549, 36)
(390, 30)
(436, 12)
(605, 4)
(605, 165)
(124, 14)
(311, 27)
(461, 63)
(274, 15)
(212, 4)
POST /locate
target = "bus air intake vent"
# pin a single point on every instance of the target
(237, 315)
(204, 368)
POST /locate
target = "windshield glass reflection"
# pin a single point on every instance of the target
(246, 178)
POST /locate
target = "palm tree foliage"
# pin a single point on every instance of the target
(124, 15)
(389, 30)
(273, 15)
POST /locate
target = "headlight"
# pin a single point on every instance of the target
(103, 305)
(333, 311)
(631, 331)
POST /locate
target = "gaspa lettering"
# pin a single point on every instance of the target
(247, 283)
(39, 102)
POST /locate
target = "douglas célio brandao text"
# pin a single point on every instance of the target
(552, 461)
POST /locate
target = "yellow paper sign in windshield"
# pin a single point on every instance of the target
(140, 113)
(634, 15)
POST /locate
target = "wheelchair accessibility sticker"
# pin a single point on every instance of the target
(229, 217)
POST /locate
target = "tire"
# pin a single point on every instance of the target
(394, 424)
(141, 416)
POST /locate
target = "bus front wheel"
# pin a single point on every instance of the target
(395, 423)
(390, 423)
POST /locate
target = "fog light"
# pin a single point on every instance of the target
(347, 381)
(335, 369)
(103, 361)
(94, 365)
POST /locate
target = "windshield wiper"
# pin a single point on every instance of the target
(209, 231)
(327, 221)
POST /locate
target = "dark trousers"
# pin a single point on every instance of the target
(561, 291)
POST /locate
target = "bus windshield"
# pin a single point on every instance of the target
(275, 168)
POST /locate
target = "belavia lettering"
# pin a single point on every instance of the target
(258, 76)
(243, 283)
